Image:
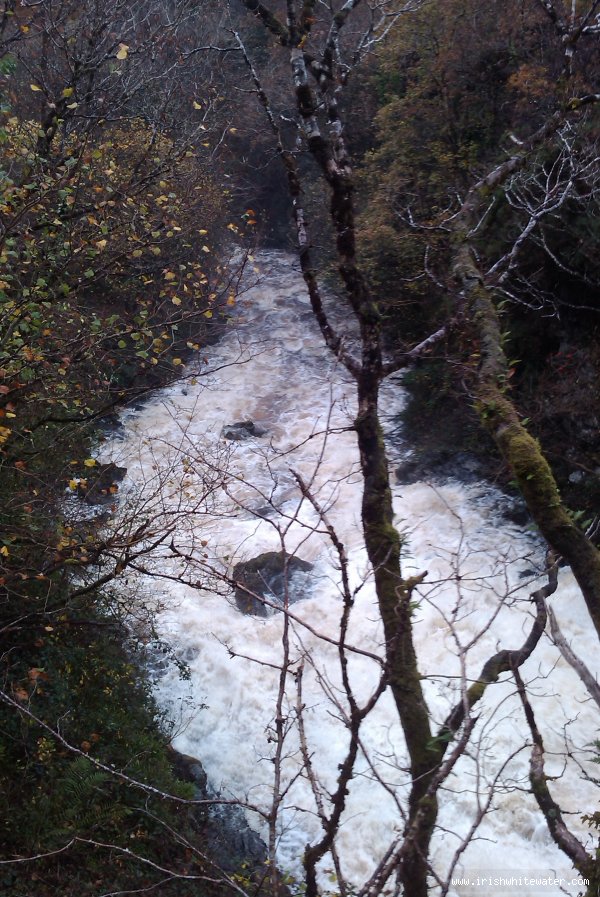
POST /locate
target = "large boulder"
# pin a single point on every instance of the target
(242, 429)
(268, 576)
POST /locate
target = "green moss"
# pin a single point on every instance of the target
(476, 691)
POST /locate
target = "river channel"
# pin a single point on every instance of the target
(229, 500)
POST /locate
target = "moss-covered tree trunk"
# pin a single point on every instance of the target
(520, 450)
(384, 545)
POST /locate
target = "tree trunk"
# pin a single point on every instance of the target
(384, 544)
(519, 449)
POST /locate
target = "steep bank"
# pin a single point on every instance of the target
(74, 702)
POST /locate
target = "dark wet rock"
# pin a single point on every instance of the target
(267, 576)
(189, 769)
(243, 429)
(438, 466)
(231, 843)
(516, 512)
(265, 511)
(225, 834)
(111, 426)
(159, 657)
(101, 484)
(506, 509)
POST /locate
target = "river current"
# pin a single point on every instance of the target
(230, 500)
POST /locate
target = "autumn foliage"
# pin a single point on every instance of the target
(112, 274)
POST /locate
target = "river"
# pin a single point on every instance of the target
(230, 500)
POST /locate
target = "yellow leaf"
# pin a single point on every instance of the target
(208, 314)
(202, 232)
(4, 551)
(170, 276)
(197, 105)
(176, 300)
(90, 462)
(177, 361)
(73, 484)
(35, 87)
(101, 244)
(205, 248)
(68, 91)
(4, 434)
(122, 51)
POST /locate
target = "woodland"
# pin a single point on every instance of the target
(435, 164)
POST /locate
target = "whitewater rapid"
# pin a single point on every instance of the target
(229, 501)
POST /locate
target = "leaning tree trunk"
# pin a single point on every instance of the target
(520, 450)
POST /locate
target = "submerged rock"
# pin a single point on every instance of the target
(242, 429)
(516, 512)
(440, 465)
(270, 576)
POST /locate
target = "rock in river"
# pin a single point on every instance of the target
(269, 576)
(243, 429)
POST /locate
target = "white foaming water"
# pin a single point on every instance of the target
(229, 501)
